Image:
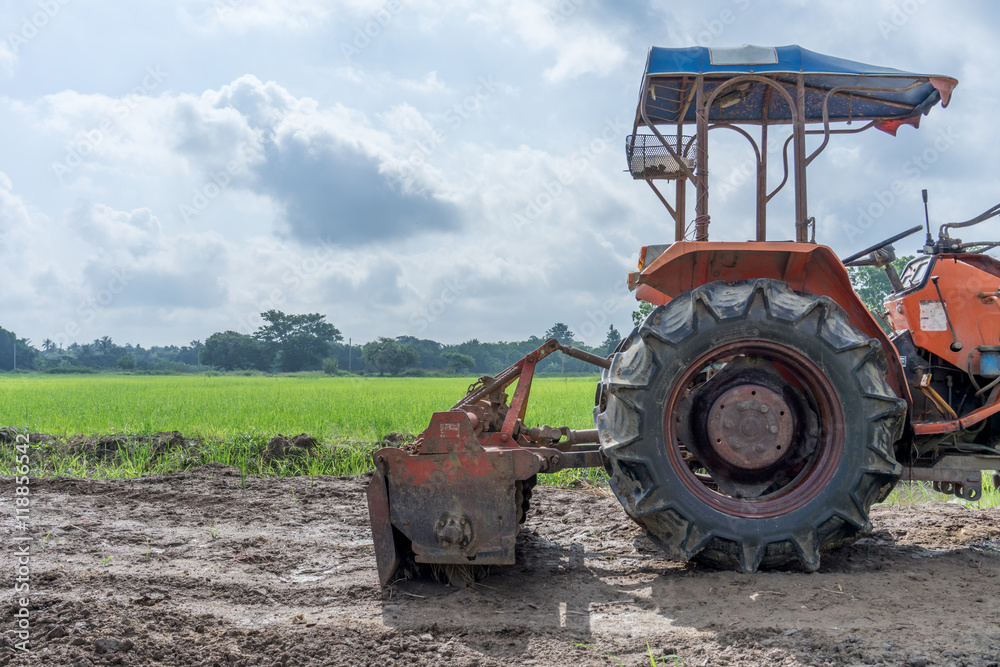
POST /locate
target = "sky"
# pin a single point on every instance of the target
(445, 169)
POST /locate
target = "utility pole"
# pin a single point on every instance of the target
(350, 351)
(14, 336)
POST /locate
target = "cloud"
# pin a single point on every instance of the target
(95, 270)
(187, 273)
(8, 58)
(243, 15)
(102, 226)
(13, 211)
(580, 46)
(430, 84)
(33, 266)
(336, 192)
(336, 176)
(129, 255)
(260, 104)
(329, 170)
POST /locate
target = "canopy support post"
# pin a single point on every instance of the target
(701, 177)
(762, 170)
(801, 204)
(680, 199)
(679, 215)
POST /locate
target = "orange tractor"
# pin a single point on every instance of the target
(760, 409)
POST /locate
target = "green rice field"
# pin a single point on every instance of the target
(234, 417)
(328, 408)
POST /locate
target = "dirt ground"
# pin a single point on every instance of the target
(193, 569)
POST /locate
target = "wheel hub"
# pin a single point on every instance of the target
(750, 427)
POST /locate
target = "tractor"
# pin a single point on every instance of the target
(760, 409)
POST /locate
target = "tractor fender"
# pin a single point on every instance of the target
(805, 267)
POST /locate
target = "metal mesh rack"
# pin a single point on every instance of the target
(649, 158)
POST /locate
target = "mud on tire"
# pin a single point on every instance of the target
(749, 488)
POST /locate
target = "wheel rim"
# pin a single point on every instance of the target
(784, 424)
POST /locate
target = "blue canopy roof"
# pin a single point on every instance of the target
(883, 94)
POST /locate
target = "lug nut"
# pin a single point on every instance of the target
(774, 429)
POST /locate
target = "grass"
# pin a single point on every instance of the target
(229, 407)
(908, 493)
(233, 418)
(675, 660)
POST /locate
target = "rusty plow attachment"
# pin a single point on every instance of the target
(458, 495)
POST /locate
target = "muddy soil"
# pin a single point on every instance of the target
(194, 569)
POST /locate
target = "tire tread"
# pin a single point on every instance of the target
(632, 460)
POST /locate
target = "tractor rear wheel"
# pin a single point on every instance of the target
(748, 425)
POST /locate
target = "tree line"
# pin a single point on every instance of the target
(293, 343)
(101, 354)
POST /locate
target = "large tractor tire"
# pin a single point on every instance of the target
(746, 425)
